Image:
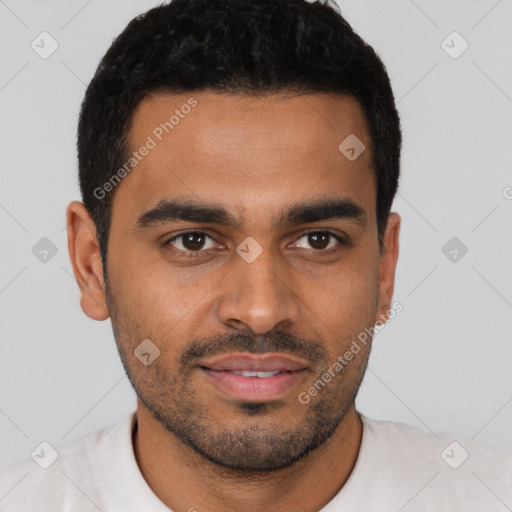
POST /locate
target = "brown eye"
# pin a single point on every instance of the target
(193, 241)
(321, 240)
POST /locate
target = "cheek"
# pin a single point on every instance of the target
(142, 285)
(164, 300)
(348, 298)
(154, 301)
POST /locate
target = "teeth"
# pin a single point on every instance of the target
(262, 375)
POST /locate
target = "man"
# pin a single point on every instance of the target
(238, 162)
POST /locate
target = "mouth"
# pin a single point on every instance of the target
(254, 377)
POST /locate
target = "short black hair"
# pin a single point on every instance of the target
(253, 47)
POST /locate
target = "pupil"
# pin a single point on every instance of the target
(189, 240)
(315, 237)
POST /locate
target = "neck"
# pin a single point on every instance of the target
(184, 480)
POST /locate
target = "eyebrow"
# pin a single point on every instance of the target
(213, 213)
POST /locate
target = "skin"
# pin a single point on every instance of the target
(256, 157)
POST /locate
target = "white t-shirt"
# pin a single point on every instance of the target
(399, 468)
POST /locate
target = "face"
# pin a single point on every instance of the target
(223, 253)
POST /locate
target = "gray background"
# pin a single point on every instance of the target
(442, 364)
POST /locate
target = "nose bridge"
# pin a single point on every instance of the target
(258, 293)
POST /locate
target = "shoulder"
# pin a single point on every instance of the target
(442, 464)
(443, 448)
(56, 476)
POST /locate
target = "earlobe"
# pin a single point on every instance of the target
(86, 261)
(388, 262)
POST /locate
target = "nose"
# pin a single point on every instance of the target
(259, 296)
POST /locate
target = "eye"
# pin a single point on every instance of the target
(198, 241)
(190, 241)
(321, 240)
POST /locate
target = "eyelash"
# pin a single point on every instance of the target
(192, 254)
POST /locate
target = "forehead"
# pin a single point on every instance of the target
(247, 152)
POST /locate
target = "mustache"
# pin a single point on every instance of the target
(275, 341)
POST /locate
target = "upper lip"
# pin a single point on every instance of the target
(267, 362)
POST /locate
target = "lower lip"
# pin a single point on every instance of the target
(255, 388)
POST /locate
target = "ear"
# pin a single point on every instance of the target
(86, 261)
(388, 261)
